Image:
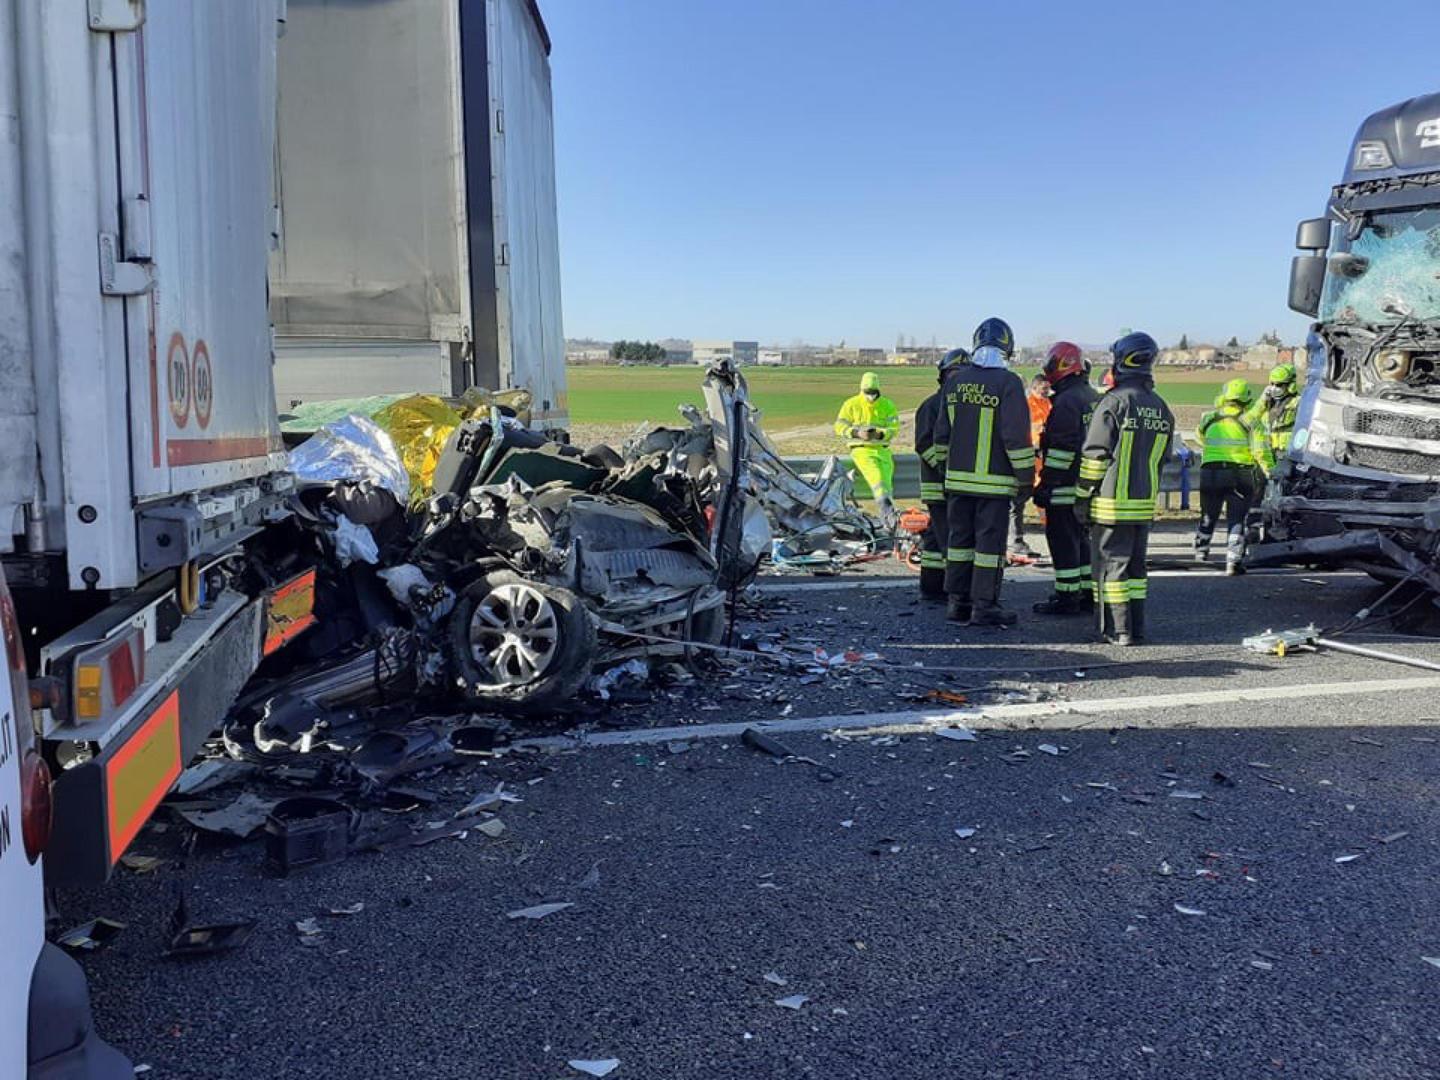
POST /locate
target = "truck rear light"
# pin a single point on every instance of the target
(103, 678)
(36, 805)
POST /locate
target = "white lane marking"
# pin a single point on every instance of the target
(1028, 573)
(1037, 715)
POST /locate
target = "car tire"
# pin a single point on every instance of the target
(520, 644)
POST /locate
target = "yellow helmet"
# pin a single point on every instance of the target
(1237, 391)
(869, 381)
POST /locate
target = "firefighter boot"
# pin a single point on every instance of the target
(1117, 619)
(957, 609)
(989, 613)
(1060, 604)
(1235, 552)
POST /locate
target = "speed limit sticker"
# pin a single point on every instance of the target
(177, 366)
(202, 384)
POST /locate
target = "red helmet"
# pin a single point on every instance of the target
(1063, 360)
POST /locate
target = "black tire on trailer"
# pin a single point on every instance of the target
(519, 644)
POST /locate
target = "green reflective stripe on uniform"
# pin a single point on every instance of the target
(983, 437)
(1068, 574)
(1229, 442)
(1122, 459)
(1115, 592)
(960, 554)
(1022, 460)
(932, 560)
(1085, 571)
(1138, 588)
(931, 491)
(1156, 453)
(986, 562)
(933, 456)
(1060, 459)
(1092, 469)
(1109, 511)
(1067, 586)
(979, 483)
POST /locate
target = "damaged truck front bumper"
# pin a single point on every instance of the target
(1314, 513)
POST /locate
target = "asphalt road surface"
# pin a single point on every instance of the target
(1159, 881)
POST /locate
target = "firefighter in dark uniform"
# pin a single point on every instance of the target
(1072, 401)
(985, 426)
(932, 480)
(1126, 444)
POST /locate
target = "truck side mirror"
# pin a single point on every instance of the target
(1307, 278)
(1313, 235)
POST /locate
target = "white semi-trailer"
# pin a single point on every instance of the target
(143, 480)
(418, 248)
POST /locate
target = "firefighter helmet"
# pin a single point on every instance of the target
(1063, 360)
(995, 332)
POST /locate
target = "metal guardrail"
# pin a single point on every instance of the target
(1176, 476)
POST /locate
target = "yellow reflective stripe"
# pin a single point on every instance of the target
(986, 562)
(1115, 592)
(983, 439)
(1122, 458)
(1092, 469)
(1155, 454)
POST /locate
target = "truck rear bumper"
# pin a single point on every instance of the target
(101, 804)
(63, 1041)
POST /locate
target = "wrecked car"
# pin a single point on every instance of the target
(1360, 485)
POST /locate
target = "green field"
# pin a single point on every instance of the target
(790, 398)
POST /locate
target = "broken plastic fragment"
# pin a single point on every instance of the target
(1347, 858)
(1049, 748)
(1177, 793)
(1433, 961)
(492, 828)
(539, 911)
(349, 909)
(1183, 910)
(794, 1001)
(776, 978)
(1390, 839)
(595, 1067)
(965, 833)
(958, 734)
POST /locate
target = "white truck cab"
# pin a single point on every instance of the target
(45, 1026)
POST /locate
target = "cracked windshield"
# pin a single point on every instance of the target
(1402, 247)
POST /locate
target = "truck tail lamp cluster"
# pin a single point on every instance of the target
(36, 806)
(104, 677)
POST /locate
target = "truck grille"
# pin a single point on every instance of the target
(1391, 425)
(1392, 461)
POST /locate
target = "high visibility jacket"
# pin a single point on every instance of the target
(859, 411)
(1063, 436)
(986, 429)
(1278, 416)
(1126, 442)
(1234, 437)
(932, 454)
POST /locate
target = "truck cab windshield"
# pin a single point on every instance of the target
(1403, 270)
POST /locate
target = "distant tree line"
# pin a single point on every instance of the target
(638, 352)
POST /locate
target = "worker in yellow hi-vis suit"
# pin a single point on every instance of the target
(868, 423)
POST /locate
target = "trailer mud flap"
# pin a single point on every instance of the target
(101, 805)
(289, 612)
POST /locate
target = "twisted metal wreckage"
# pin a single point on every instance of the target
(528, 566)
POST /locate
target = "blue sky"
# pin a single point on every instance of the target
(839, 169)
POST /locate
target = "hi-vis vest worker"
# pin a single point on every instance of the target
(985, 426)
(1126, 444)
(868, 423)
(932, 480)
(1277, 407)
(1237, 448)
(1072, 402)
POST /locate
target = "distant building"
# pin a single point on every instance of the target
(870, 357)
(677, 351)
(738, 353)
(772, 357)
